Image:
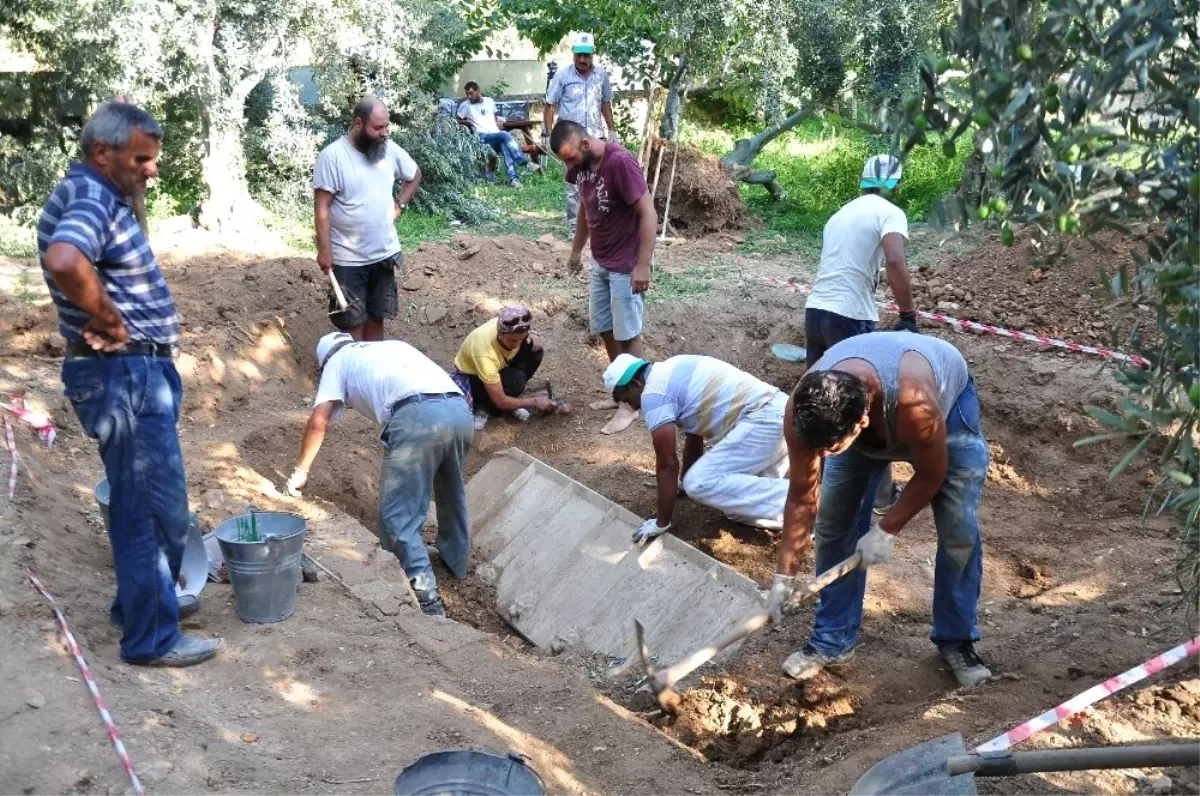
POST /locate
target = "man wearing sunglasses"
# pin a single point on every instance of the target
(495, 363)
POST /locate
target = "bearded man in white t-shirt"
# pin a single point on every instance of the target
(355, 207)
(862, 240)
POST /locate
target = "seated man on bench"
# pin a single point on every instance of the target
(479, 113)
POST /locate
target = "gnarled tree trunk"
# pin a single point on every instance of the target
(739, 163)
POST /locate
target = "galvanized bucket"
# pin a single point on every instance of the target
(193, 572)
(468, 773)
(264, 572)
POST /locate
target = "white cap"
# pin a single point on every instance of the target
(584, 43)
(881, 171)
(622, 370)
(325, 345)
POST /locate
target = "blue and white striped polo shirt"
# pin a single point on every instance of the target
(701, 395)
(86, 211)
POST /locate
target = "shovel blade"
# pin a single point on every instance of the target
(920, 769)
(788, 352)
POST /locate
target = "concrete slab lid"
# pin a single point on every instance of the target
(573, 574)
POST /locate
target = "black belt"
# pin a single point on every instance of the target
(424, 396)
(134, 348)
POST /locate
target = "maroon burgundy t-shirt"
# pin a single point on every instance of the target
(608, 195)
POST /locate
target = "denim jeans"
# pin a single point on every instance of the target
(427, 441)
(506, 147)
(130, 404)
(844, 517)
(612, 304)
(823, 329)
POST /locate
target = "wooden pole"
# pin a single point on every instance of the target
(674, 162)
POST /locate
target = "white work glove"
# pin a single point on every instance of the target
(296, 482)
(876, 547)
(777, 597)
(649, 531)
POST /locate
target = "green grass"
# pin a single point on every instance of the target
(818, 165)
(696, 280)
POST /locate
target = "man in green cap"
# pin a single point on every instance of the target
(580, 93)
(734, 455)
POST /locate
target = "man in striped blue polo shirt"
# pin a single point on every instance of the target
(734, 456)
(121, 327)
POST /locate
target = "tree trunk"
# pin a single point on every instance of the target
(674, 108)
(739, 163)
(227, 206)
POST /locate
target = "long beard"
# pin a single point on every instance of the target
(373, 150)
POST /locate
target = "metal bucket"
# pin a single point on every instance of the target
(193, 572)
(264, 574)
(469, 773)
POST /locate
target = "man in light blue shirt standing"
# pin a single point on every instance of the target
(580, 93)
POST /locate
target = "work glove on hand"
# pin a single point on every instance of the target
(296, 482)
(876, 547)
(907, 323)
(649, 531)
(777, 596)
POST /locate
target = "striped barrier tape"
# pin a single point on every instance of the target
(1090, 697)
(14, 404)
(983, 328)
(12, 452)
(113, 735)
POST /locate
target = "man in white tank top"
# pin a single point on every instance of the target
(873, 399)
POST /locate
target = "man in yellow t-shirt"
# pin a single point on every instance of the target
(495, 363)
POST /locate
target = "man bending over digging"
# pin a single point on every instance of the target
(714, 404)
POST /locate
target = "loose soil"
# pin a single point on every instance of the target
(342, 695)
(703, 200)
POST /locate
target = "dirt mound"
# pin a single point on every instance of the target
(736, 723)
(1006, 286)
(704, 199)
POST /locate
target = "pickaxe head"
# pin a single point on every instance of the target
(667, 699)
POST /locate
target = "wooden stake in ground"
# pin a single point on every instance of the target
(646, 148)
(674, 162)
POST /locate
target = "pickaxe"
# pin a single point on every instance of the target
(661, 682)
(338, 296)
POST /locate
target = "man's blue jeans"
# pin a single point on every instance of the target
(505, 146)
(844, 517)
(427, 441)
(130, 404)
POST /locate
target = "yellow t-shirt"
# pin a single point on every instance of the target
(482, 355)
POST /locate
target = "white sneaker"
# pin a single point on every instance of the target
(535, 168)
(521, 414)
(969, 669)
(807, 663)
(480, 420)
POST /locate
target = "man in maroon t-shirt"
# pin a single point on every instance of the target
(618, 215)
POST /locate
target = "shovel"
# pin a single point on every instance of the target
(660, 682)
(942, 767)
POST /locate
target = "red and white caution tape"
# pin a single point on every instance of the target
(983, 328)
(113, 735)
(12, 452)
(14, 404)
(1090, 697)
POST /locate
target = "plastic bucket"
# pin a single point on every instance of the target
(193, 572)
(469, 773)
(264, 574)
